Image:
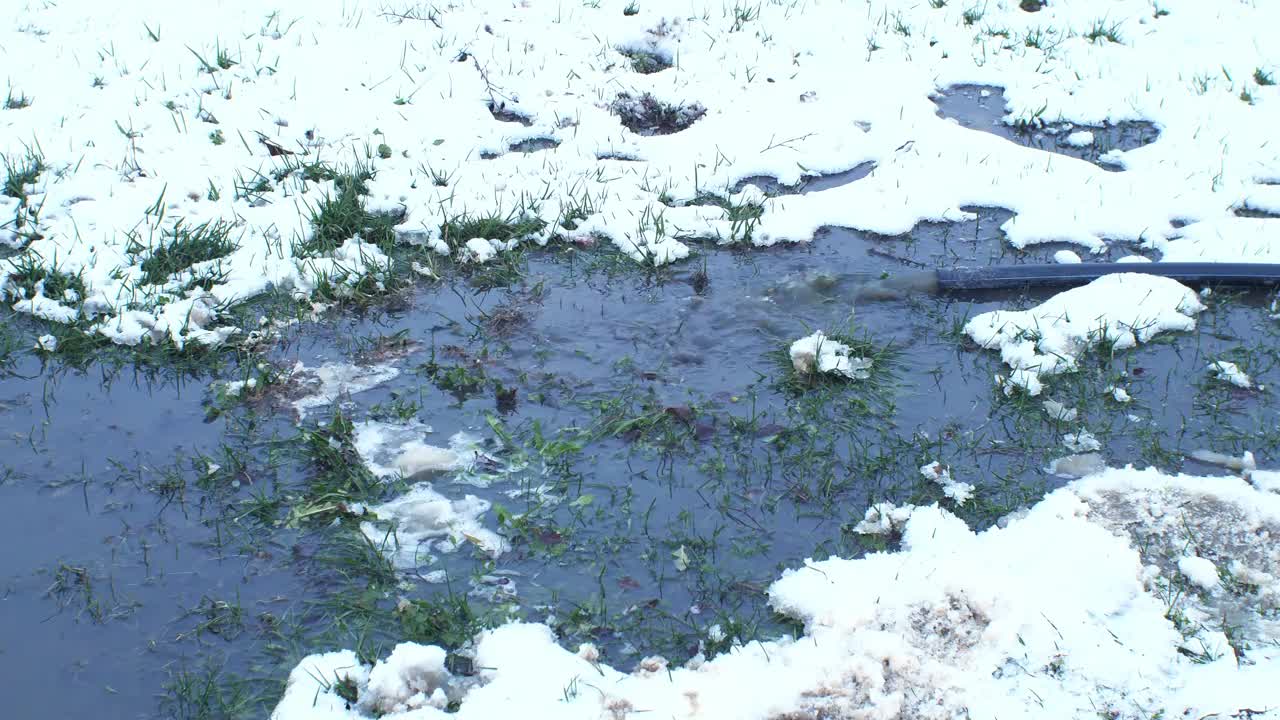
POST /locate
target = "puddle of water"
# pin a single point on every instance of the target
(981, 107)
(660, 473)
(973, 244)
(107, 551)
(809, 184)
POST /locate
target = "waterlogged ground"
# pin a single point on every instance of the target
(650, 457)
(475, 344)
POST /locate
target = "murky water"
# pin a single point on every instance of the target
(694, 470)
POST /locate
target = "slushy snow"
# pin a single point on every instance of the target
(1230, 373)
(940, 475)
(424, 523)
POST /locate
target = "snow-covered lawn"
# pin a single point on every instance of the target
(127, 131)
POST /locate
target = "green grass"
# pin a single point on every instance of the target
(645, 62)
(742, 15)
(210, 692)
(29, 274)
(448, 621)
(883, 358)
(743, 217)
(342, 215)
(222, 59)
(182, 247)
(21, 172)
(493, 226)
(1101, 30)
(338, 475)
(1263, 78)
(17, 102)
(647, 115)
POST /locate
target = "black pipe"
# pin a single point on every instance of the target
(1194, 273)
(900, 285)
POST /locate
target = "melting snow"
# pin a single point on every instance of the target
(1062, 612)
(1231, 373)
(427, 523)
(1124, 309)
(818, 353)
(153, 136)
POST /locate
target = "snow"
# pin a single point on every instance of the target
(1231, 373)
(1066, 257)
(427, 523)
(819, 353)
(884, 518)
(1077, 466)
(1081, 442)
(131, 150)
(1267, 480)
(1079, 139)
(1245, 462)
(939, 474)
(1060, 412)
(1062, 612)
(1199, 571)
(480, 250)
(1123, 309)
(412, 677)
(1232, 239)
(389, 449)
(322, 386)
(310, 693)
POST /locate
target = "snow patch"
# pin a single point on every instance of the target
(427, 523)
(1231, 373)
(1059, 613)
(818, 353)
(1123, 309)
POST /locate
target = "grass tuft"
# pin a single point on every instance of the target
(1100, 30)
(647, 115)
(493, 226)
(27, 276)
(17, 102)
(183, 247)
(342, 214)
(645, 62)
(21, 172)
